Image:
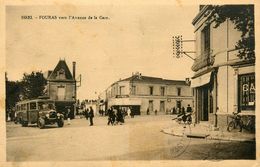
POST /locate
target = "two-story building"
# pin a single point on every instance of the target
(223, 83)
(61, 87)
(145, 92)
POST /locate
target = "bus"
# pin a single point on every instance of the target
(38, 111)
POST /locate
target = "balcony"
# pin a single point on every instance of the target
(204, 60)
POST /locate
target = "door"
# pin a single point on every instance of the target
(178, 104)
(150, 106)
(162, 106)
(205, 104)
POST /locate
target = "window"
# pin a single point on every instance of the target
(179, 91)
(61, 74)
(133, 90)
(246, 86)
(121, 90)
(32, 106)
(162, 91)
(151, 90)
(205, 40)
(61, 92)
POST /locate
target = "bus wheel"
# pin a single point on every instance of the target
(41, 123)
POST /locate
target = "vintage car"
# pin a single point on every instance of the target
(38, 111)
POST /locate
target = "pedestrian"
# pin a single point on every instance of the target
(189, 109)
(128, 112)
(68, 116)
(189, 113)
(91, 116)
(147, 111)
(86, 113)
(119, 117)
(132, 114)
(183, 110)
(110, 115)
(173, 110)
(113, 116)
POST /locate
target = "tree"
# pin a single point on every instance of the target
(13, 90)
(33, 85)
(243, 18)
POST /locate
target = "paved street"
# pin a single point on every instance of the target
(140, 138)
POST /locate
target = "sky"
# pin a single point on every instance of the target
(134, 38)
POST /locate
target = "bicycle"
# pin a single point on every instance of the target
(238, 122)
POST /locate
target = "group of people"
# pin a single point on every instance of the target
(115, 116)
(148, 111)
(89, 114)
(183, 115)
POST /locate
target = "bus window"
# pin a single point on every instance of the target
(33, 106)
(51, 106)
(23, 107)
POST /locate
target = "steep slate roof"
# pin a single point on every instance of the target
(148, 79)
(61, 64)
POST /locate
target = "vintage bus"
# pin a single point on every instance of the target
(38, 111)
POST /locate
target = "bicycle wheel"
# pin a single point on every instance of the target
(231, 126)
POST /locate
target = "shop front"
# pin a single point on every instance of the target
(125, 103)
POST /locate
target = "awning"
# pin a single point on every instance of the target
(124, 102)
(201, 80)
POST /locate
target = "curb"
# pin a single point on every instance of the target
(212, 137)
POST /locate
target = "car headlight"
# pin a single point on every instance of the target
(47, 115)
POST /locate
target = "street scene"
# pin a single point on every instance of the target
(179, 89)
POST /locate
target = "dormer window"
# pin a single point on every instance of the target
(61, 74)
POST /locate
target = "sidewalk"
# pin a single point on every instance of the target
(204, 131)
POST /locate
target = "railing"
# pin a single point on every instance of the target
(206, 59)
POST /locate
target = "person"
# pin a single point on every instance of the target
(113, 115)
(189, 112)
(147, 111)
(68, 116)
(189, 109)
(110, 115)
(155, 112)
(119, 117)
(128, 112)
(132, 114)
(86, 113)
(91, 116)
(173, 110)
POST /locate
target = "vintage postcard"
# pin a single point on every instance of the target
(134, 83)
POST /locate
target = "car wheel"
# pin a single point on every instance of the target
(41, 123)
(60, 122)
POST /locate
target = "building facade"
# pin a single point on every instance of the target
(144, 92)
(223, 83)
(61, 87)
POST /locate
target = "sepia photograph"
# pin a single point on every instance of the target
(130, 82)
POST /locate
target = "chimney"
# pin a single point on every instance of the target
(74, 69)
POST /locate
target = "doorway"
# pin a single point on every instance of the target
(162, 106)
(203, 103)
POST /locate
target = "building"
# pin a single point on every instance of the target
(61, 87)
(144, 92)
(223, 83)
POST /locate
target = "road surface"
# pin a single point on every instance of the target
(140, 138)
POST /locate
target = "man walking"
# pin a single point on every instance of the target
(91, 115)
(68, 116)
